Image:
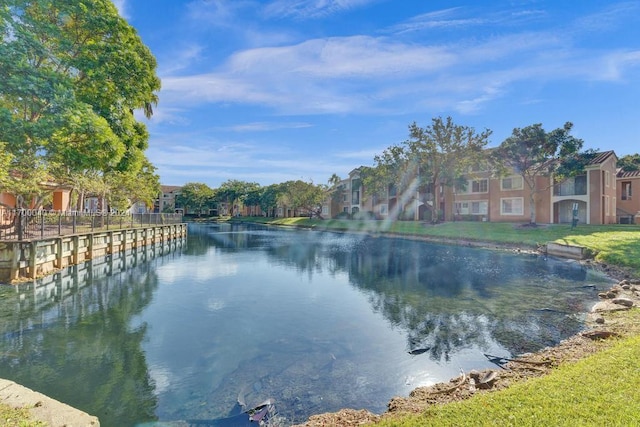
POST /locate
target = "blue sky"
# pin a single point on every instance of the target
(277, 90)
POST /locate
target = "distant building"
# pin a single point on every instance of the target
(166, 201)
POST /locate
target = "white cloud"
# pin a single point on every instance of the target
(311, 8)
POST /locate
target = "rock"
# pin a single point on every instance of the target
(487, 380)
(600, 320)
(611, 294)
(623, 301)
(602, 295)
(608, 306)
(626, 286)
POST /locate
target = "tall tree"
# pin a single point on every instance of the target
(444, 151)
(393, 169)
(196, 196)
(234, 192)
(5, 161)
(303, 196)
(71, 75)
(269, 198)
(531, 153)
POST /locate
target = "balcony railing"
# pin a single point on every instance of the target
(27, 224)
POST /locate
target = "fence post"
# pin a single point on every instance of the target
(20, 224)
(108, 216)
(60, 223)
(41, 224)
(74, 221)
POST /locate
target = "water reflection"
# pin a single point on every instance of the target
(68, 335)
(318, 321)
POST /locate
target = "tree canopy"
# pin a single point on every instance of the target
(196, 197)
(71, 75)
(630, 162)
(432, 156)
(532, 152)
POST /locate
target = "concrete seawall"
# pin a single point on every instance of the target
(43, 408)
(33, 258)
(566, 251)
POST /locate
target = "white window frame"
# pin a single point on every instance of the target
(483, 207)
(504, 212)
(606, 205)
(607, 178)
(462, 208)
(511, 178)
(479, 181)
(325, 210)
(626, 190)
(384, 209)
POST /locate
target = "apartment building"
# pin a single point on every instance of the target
(628, 204)
(166, 200)
(600, 195)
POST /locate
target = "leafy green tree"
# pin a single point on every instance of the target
(269, 198)
(71, 75)
(303, 196)
(444, 151)
(531, 153)
(5, 161)
(196, 196)
(393, 170)
(129, 187)
(630, 162)
(234, 192)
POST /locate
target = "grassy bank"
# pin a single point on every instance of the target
(611, 244)
(600, 390)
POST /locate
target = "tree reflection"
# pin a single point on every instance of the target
(447, 298)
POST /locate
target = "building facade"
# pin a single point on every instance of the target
(601, 194)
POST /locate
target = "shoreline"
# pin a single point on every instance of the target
(601, 325)
(564, 352)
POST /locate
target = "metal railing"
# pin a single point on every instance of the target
(26, 224)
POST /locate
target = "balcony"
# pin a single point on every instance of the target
(576, 186)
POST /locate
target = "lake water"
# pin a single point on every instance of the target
(317, 321)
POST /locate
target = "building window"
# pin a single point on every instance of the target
(355, 197)
(345, 209)
(480, 186)
(512, 206)
(462, 208)
(606, 205)
(607, 178)
(511, 183)
(344, 197)
(479, 208)
(384, 209)
(626, 190)
(325, 210)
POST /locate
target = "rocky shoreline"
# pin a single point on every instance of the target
(601, 325)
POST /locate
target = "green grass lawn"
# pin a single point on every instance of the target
(600, 390)
(612, 244)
